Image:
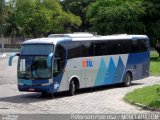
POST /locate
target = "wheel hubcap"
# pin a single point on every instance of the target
(128, 79)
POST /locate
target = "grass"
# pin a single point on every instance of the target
(148, 96)
(154, 64)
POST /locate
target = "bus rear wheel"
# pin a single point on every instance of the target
(72, 88)
(127, 79)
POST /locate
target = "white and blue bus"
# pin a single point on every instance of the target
(70, 62)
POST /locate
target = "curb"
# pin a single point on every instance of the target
(142, 106)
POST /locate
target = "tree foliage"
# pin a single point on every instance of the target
(35, 18)
(152, 18)
(1, 14)
(79, 8)
(41, 17)
(116, 16)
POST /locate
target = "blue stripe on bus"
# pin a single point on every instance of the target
(101, 73)
(138, 58)
(105, 75)
(114, 74)
(119, 71)
(109, 75)
(110, 72)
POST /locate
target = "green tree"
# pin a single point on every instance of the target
(1, 15)
(10, 26)
(78, 8)
(116, 16)
(41, 17)
(152, 19)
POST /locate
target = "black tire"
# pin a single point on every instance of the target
(72, 88)
(127, 79)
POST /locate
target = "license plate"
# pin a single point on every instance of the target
(31, 89)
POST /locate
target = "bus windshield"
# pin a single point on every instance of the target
(33, 67)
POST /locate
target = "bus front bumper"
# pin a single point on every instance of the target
(47, 89)
(37, 86)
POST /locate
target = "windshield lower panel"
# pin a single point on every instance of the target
(33, 67)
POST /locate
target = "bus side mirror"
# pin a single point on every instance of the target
(11, 58)
(49, 60)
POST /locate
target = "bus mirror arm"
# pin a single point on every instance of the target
(49, 60)
(11, 58)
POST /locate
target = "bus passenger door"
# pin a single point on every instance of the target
(59, 75)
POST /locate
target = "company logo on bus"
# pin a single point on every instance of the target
(87, 63)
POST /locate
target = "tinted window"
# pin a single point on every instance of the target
(135, 46)
(100, 48)
(105, 47)
(74, 50)
(144, 45)
(89, 46)
(84, 49)
(61, 53)
(112, 47)
(124, 46)
(139, 46)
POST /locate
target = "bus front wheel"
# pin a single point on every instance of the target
(127, 79)
(72, 88)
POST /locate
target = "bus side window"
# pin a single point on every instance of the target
(100, 48)
(139, 45)
(74, 50)
(112, 47)
(84, 51)
(60, 54)
(89, 46)
(143, 45)
(124, 46)
(135, 47)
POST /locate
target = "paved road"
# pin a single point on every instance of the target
(7, 73)
(101, 100)
(107, 99)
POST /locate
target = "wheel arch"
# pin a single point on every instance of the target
(76, 81)
(130, 72)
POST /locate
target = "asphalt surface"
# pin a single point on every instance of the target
(8, 73)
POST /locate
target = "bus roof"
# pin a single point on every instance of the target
(46, 40)
(74, 35)
(55, 40)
